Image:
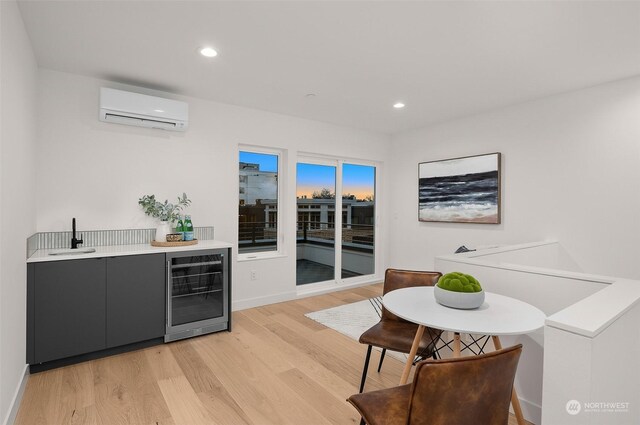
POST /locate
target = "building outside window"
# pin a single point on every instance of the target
(258, 202)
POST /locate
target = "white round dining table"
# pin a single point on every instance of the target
(498, 315)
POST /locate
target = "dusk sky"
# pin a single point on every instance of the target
(312, 178)
(358, 180)
(267, 162)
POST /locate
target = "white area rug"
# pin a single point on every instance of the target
(353, 319)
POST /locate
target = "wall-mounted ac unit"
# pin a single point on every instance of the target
(122, 107)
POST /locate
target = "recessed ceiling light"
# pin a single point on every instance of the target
(209, 52)
(310, 95)
(158, 110)
(399, 105)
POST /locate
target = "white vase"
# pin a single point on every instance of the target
(460, 300)
(162, 230)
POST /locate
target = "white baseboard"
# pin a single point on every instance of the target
(531, 411)
(17, 398)
(260, 301)
(303, 292)
(322, 288)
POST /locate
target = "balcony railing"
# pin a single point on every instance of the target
(258, 236)
(357, 234)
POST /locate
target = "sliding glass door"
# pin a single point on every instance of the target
(316, 204)
(358, 220)
(335, 202)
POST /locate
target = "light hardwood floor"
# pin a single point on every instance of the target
(276, 367)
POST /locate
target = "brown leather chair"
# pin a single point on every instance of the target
(466, 390)
(394, 333)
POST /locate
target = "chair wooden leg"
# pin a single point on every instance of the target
(366, 366)
(412, 355)
(384, 351)
(515, 401)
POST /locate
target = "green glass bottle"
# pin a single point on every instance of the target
(180, 227)
(188, 228)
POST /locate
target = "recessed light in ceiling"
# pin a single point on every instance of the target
(158, 110)
(310, 95)
(399, 105)
(208, 52)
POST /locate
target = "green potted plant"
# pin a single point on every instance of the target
(166, 211)
(459, 290)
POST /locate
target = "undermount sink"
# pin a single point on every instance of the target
(73, 251)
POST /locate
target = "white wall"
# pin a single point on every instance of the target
(570, 172)
(2, 84)
(597, 371)
(548, 254)
(18, 79)
(96, 171)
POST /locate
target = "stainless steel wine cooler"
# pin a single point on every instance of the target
(198, 293)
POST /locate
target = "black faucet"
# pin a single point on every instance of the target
(74, 241)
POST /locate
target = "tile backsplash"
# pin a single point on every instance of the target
(57, 240)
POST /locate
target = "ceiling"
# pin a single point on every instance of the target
(442, 59)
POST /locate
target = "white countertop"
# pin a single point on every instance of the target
(118, 250)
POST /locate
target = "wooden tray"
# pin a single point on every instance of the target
(180, 243)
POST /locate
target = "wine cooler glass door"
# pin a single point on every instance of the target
(196, 288)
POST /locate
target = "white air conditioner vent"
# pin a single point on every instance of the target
(141, 110)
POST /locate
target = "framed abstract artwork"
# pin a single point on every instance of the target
(460, 190)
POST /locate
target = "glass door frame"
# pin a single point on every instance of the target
(338, 163)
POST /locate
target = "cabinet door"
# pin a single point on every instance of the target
(136, 291)
(69, 308)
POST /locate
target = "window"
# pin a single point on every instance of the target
(258, 224)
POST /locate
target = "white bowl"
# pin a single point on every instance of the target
(461, 300)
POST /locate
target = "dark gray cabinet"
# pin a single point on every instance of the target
(136, 292)
(76, 307)
(68, 316)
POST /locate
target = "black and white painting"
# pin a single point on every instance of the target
(460, 190)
